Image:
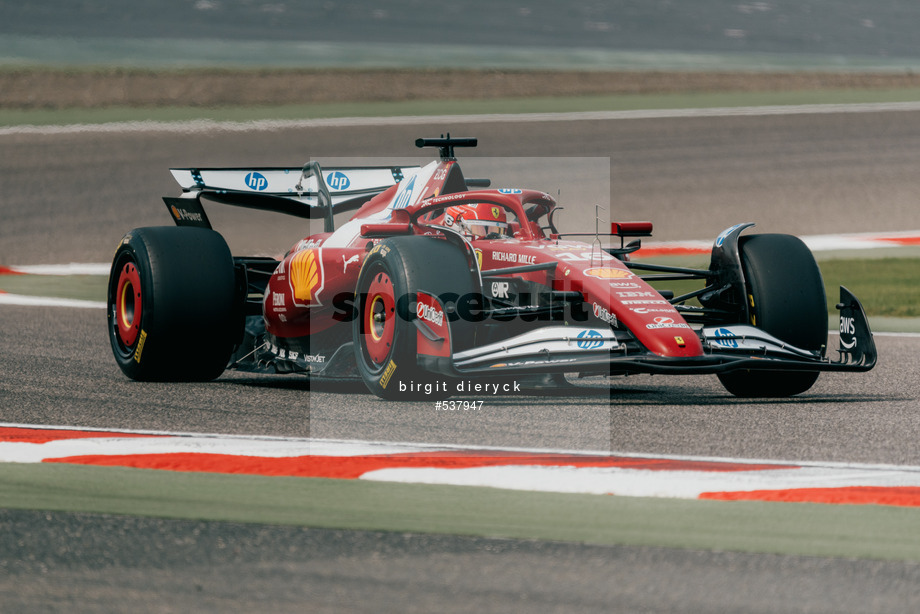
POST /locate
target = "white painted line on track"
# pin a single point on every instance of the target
(113, 445)
(106, 430)
(894, 334)
(206, 125)
(73, 268)
(641, 482)
(45, 301)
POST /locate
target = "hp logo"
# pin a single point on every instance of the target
(590, 340)
(256, 181)
(402, 201)
(726, 338)
(338, 180)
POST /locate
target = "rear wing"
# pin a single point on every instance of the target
(310, 192)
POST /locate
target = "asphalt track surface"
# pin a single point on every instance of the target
(70, 198)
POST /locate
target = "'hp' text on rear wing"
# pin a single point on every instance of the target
(310, 192)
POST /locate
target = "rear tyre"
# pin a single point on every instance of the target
(172, 312)
(385, 336)
(785, 294)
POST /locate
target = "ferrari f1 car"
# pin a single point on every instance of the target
(437, 279)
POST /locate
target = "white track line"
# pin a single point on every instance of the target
(73, 268)
(210, 126)
(45, 301)
(642, 482)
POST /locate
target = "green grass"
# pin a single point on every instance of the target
(887, 287)
(83, 287)
(864, 531)
(623, 102)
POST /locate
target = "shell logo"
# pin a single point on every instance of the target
(305, 275)
(608, 273)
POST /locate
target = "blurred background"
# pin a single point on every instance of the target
(323, 70)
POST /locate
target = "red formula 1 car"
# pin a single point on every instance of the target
(436, 280)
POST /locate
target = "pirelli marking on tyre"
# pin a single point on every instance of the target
(387, 374)
(140, 346)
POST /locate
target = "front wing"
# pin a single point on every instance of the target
(730, 347)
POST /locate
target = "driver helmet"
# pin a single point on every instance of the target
(478, 220)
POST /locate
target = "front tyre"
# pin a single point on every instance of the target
(785, 294)
(384, 332)
(172, 309)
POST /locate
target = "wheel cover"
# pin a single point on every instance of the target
(379, 311)
(128, 305)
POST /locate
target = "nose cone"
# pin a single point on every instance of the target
(669, 336)
(638, 307)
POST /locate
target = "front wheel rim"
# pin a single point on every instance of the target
(379, 315)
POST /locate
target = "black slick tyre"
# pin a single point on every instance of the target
(785, 294)
(172, 308)
(384, 331)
